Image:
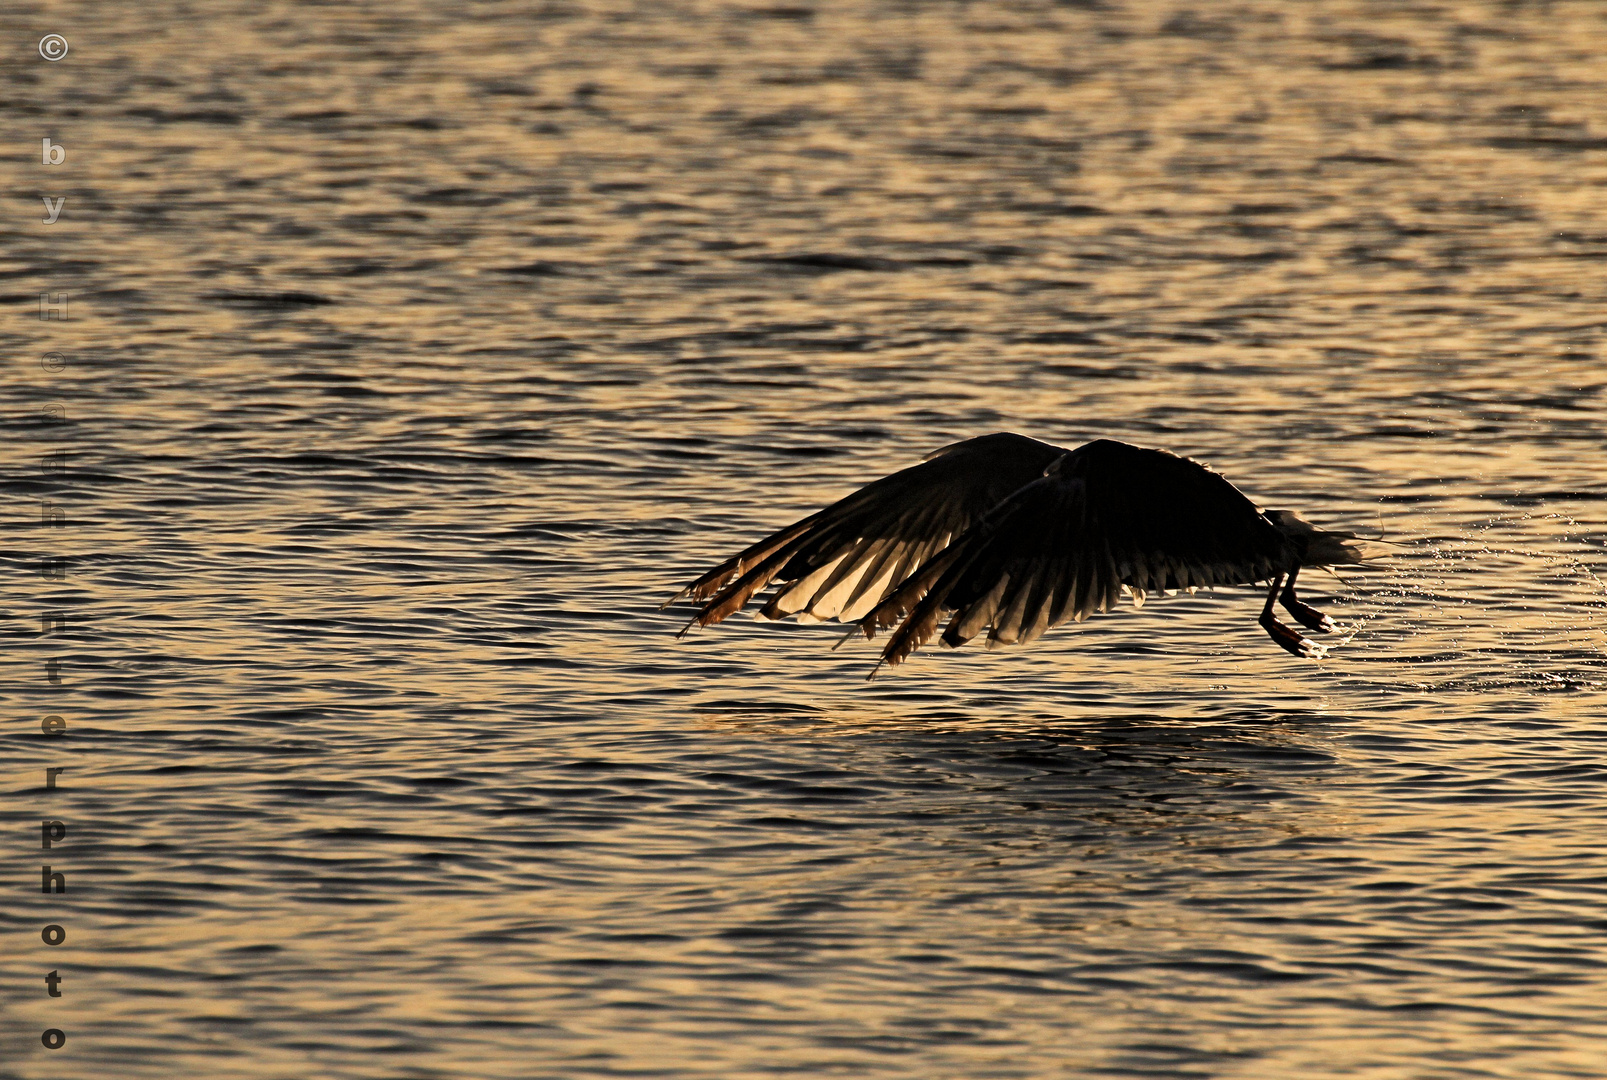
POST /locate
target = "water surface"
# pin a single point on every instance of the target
(419, 352)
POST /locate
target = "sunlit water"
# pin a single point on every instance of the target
(420, 351)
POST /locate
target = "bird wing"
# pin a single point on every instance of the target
(1105, 515)
(840, 561)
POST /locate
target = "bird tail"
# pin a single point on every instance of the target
(1344, 549)
(1328, 547)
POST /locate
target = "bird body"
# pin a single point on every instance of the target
(1011, 535)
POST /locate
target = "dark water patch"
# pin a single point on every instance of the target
(268, 301)
(825, 261)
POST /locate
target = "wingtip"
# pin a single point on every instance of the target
(887, 659)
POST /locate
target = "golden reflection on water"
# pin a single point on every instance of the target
(383, 761)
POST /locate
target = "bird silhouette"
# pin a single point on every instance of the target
(1014, 536)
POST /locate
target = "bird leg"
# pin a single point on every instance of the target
(1288, 638)
(1309, 617)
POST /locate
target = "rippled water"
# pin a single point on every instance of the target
(419, 351)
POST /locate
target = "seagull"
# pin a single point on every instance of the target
(1014, 536)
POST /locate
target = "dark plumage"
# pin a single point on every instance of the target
(1015, 536)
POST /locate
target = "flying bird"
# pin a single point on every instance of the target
(1014, 536)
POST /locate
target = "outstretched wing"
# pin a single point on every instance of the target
(840, 561)
(1105, 515)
